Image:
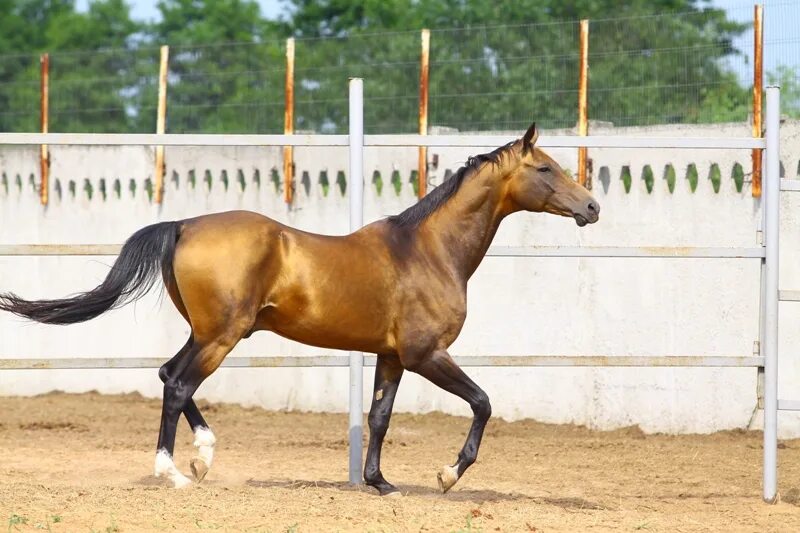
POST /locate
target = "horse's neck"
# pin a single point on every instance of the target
(466, 224)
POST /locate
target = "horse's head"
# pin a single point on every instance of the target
(539, 184)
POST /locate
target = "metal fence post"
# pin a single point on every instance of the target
(356, 192)
(161, 123)
(583, 99)
(288, 124)
(758, 88)
(424, 67)
(44, 154)
(772, 218)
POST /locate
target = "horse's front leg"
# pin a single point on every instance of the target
(441, 370)
(388, 372)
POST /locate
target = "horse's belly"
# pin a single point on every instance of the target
(336, 328)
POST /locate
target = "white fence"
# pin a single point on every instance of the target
(767, 254)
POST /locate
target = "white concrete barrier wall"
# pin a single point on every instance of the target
(516, 306)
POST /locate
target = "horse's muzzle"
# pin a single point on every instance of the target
(589, 216)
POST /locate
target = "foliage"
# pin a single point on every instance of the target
(495, 64)
(789, 81)
(236, 86)
(83, 92)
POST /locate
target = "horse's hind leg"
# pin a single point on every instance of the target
(204, 439)
(188, 373)
(440, 369)
(388, 372)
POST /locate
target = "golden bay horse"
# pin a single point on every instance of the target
(396, 288)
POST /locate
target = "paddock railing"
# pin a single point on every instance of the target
(764, 359)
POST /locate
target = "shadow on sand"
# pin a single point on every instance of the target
(463, 495)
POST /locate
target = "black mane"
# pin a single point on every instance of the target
(417, 213)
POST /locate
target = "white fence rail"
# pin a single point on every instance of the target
(199, 139)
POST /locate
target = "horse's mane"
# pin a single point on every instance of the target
(417, 213)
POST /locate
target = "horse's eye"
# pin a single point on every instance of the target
(543, 169)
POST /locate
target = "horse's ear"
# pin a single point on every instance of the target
(530, 138)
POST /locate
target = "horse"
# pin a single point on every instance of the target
(396, 287)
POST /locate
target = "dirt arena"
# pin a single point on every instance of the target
(84, 462)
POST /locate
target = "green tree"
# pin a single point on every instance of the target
(502, 62)
(90, 56)
(226, 66)
(789, 81)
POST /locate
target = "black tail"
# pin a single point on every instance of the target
(139, 265)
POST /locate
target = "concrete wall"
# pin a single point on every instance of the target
(516, 306)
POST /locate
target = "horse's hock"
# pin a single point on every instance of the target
(517, 305)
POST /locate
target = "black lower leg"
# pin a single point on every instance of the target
(178, 391)
(441, 370)
(191, 411)
(388, 372)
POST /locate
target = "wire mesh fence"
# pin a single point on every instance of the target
(499, 78)
(389, 64)
(671, 68)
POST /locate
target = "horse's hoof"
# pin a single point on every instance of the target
(181, 482)
(447, 478)
(393, 494)
(199, 469)
(166, 468)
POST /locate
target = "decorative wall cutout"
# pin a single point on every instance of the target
(341, 181)
(414, 181)
(737, 175)
(625, 176)
(669, 175)
(397, 182)
(649, 179)
(604, 176)
(276, 180)
(691, 175)
(324, 182)
(715, 176)
(112, 187)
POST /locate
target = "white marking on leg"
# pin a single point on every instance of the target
(205, 440)
(166, 467)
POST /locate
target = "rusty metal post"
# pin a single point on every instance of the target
(288, 124)
(758, 88)
(161, 120)
(422, 168)
(583, 96)
(44, 189)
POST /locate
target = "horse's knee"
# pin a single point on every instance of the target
(481, 407)
(176, 394)
(163, 373)
(378, 423)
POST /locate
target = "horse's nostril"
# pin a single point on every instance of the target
(593, 207)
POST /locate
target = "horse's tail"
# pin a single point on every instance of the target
(144, 256)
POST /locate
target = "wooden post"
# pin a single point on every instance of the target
(288, 124)
(422, 168)
(758, 87)
(161, 120)
(44, 156)
(583, 94)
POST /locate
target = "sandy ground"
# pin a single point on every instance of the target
(84, 463)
